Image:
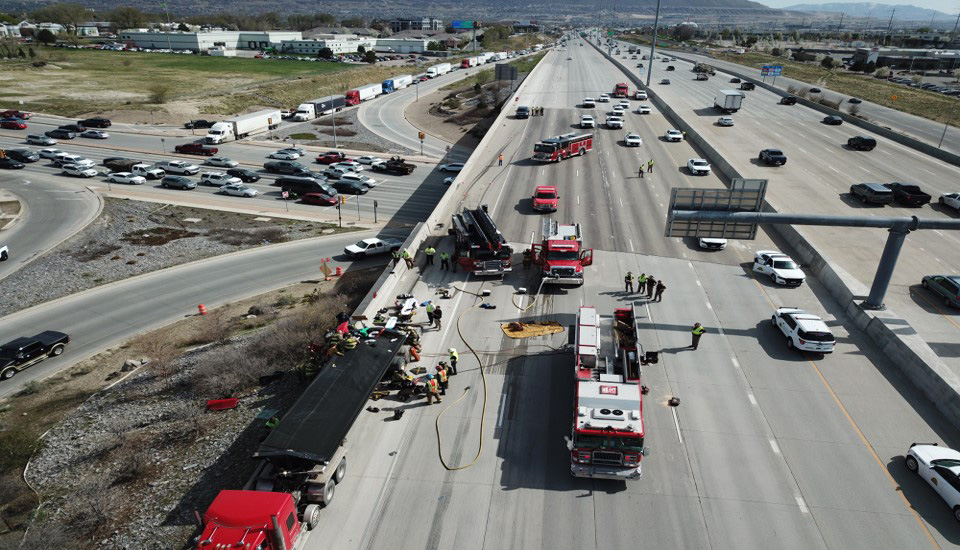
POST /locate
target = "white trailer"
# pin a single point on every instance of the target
(402, 81)
(241, 126)
(437, 70)
(486, 57)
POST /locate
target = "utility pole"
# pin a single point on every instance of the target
(653, 43)
(840, 25)
(953, 35)
(890, 24)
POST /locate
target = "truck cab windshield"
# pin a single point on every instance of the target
(546, 195)
(544, 148)
(619, 443)
(563, 255)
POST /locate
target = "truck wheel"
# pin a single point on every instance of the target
(341, 471)
(311, 516)
(912, 463)
(790, 343)
(57, 350)
(8, 374)
(3, 256)
(773, 320)
(924, 284)
(328, 491)
(582, 152)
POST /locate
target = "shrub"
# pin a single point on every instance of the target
(853, 109)
(159, 92)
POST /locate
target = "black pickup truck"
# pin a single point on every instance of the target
(24, 352)
(908, 194)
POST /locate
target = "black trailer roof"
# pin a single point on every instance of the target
(316, 424)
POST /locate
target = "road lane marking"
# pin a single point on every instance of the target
(621, 205)
(631, 244)
(934, 306)
(578, 200)
(802, 504)
(834, 169)
(503, 410)
(774, 446)
(753, 399)
(676, 423)
(736, 363)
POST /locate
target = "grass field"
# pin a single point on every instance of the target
(922, 103)
(484, 75)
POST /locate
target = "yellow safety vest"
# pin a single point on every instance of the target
(454, 356)
(697, 331)
(432, 385)
(443, 375)
(642, 279)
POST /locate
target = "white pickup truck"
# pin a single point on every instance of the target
(370, 247)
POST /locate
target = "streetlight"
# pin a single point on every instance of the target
(947, 125)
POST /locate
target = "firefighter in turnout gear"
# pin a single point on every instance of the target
(433, 389)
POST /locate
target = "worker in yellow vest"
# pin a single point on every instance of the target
(454, 357)
(697, 332)
(641, 282)
(433, 389)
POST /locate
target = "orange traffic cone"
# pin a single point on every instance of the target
(202, 309)
(414, 354)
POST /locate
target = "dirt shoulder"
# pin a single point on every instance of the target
(9, 210)
(424, 115)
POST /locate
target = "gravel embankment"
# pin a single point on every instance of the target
(350, 135)
(132, 238)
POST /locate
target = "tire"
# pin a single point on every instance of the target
(164, 185)
(341, 471)
(311, 516)
(773, 320)
(924, 284)
(863, 199)
(773, 278)
(581, 153)
(940, 200)
(911, 463)
(8, 374)
(3, 256)
(57, 350)
(956, 513)
(790, 343)
(329, 490)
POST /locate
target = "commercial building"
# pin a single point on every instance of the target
(204, 40)
(416, 24)
(339, 44)
(909, 59)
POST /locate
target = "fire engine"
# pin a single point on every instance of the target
(480, 248)
(560, 253)
(564, 146)
(607, 436)
(621, 90)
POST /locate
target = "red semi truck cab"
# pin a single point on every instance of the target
(621, 90)
(253, 519)
(352, 97)
(560, 254)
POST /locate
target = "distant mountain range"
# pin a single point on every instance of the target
(905, 12)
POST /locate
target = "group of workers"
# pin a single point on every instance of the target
(649, 167)
(429, 252)
(653, 287)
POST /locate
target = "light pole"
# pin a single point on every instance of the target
(947, 125)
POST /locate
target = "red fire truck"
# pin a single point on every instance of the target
(607, 439)
(480, 248)
(560, 254)
(621, 90)
(558, 148)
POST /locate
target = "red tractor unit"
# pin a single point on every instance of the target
(480, 247)
(560, 254)
(561, 147)
(621, 90)
(607, 434)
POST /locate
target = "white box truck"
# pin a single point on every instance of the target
(437, 70)
(728, 101)
(241, 126)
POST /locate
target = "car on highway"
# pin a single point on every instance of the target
(222, 162)
(219, 179)
(588, 103)
(709, 243)
(871, 193)
(24, 352)
(773, 157)
(735, 80)
(747, 86)
(862, 143)
(587, 121)
(126, 177)
(814, 90)
(545, 198)
(283, 155)
(67, 158)
(725, 121)
(623, 104)
(179, 167)
(199, 124)
(23, 155)
(78, 171)
(239, 190)
(351, 165)
(59, 134)
(293, 149)
(196, 148)
(832, 120)
(366, 159)
(698, 167)
(946, 286)
(788, 100)
(95, 122)
(13, 125)
(908, 194)
(361, 179)
(664, 81)
(673, 135)
(51, 153)
(940, 468)
(284, 167)
(75, 128)
(640, 94)
(950, 199)
(350, 187)
(321, 199)
(451, 167)
(632, 140)
(854, 100)
(616, 110)
(603, 98)
(246, 176)
(8, 163)
(642, 109)
(4, 252)
(803, 331)
(614, 121)
(781, 269)
(335, 172)
(95, 134)
(178, 182)
(36, 139)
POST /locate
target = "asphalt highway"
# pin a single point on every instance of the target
(768, 448)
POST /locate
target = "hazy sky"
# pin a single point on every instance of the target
(946, 6)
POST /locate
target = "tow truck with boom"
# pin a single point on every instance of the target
(607, 435)
(304, 456)
(479, 246)
(560, 254)
(562, 147)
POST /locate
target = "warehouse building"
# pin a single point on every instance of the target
(204, 40)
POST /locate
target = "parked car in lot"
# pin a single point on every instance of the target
(25, 352)
(773, 157)
(8, 163)
(940, 468)
(238, 190)
(219, 179)
(126, 177)
(95, 122)
(871, 193)
(78, 171)
(781, 269)
(95, 134)
(222, 162)
(945, 286)
(673, 135)
(698, 167)
(804, 331)
(13, 125)
(59, 134)
(862, 143)
(36, 139)
(246, 176)
(23, 155)
(950, 199)
(451, 167)
(178, 182)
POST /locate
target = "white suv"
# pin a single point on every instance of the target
(219, 179)
(804, 331)
(604, 98)
(586, 121)
(698, 167)
(640, 95)
(781, 269)
(588, 103)
(614, 122)
(940, 468)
